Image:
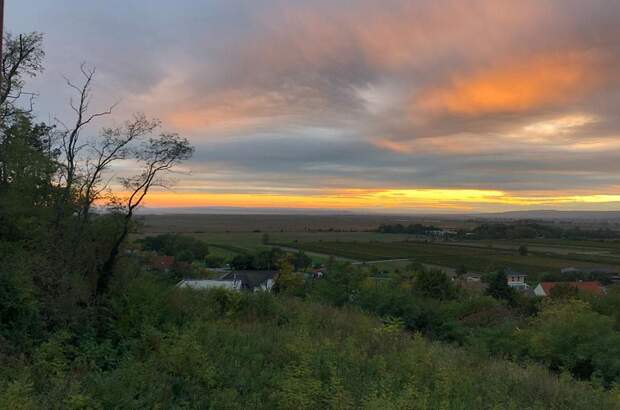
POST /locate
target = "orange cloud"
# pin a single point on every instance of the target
(393, 38)
(230, 109)
(516, 86)
(394, 146)
(462, 143)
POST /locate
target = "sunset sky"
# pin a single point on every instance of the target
(385, 105)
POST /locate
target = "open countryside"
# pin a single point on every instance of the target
(301, 205)
(357, 240)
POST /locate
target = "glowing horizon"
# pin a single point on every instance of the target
(444, 200)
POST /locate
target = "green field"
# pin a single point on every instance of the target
(253, 241)
(351, 239)
(476, 256)
(476, 259)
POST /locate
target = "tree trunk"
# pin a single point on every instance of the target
(107, 269)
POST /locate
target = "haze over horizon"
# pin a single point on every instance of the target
(399, 106)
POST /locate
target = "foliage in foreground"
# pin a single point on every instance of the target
(576, 333)
(169, 349)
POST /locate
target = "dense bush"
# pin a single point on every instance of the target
(579, 336)
(571, 336)
(217, 349)
(184, 248)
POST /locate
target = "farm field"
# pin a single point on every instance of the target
(476, 259)
(229, 244)
(350, 238)
(558, 246)
(203, 223)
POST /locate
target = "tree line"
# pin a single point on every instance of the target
(514, 230)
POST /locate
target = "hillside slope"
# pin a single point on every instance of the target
(179, 349)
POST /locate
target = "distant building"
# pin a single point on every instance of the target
(516, 280)
(544, 288)
(202, 284)
(253, 280)
(248, 280)
(442, 233)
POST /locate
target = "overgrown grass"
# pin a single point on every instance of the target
(182, 349)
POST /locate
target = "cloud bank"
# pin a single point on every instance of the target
(347, 103)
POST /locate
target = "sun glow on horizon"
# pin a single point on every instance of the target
(440, 199)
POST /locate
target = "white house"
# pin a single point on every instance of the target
(201, 284)
(516, 280)
(252, 281)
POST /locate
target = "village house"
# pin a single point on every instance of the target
(544, 288)
(248, 280)
(253, 280)
(516, 280)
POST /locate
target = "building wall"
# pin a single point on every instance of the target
(539, 291)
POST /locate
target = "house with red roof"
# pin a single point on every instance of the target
(544, 288)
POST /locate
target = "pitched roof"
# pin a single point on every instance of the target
(591, 286)
(250, 278)
(511, 272)
(209, 284)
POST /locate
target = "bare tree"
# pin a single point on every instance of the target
(158, 156)
(113, 144)
(70, 141)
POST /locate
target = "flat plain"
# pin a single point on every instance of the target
(354, 238)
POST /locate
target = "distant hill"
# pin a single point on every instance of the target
(543, 214)
(552, 214)
(233, 210)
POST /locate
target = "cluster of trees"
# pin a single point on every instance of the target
(531, 230)
(602, 277)
(271, 259)
(570, 332)
(59, 254)
(184, 248)
(513, 230)
(415, 229)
